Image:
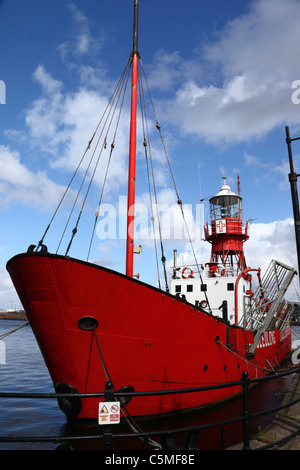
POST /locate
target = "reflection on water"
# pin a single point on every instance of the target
(24, 371)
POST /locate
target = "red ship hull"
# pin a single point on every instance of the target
(148, 339)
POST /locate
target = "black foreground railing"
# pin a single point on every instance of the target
(167, 441)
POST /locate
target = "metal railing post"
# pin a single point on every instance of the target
(223, 442)
(107, 431)
(245, 415)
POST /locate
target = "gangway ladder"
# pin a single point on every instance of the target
(267, 308)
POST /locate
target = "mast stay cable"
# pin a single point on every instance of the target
(175, 187)
(142, 103)
(109, 159)
(144, 114)
(74, 231)
(81, 160)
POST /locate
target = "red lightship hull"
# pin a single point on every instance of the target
(148, 339)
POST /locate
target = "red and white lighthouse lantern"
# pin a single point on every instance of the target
(226, 233)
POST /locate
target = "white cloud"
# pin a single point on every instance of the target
(272, 240)
(82, 37)
(62, 124)
(255, 59)
(19, 184)
(169, 69)
(82, 45)
(8, 296)
(48, 83)
(253, 161)
(284, 169)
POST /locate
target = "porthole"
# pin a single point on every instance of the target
(87, 323)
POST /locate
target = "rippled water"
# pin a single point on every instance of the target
(24, 371)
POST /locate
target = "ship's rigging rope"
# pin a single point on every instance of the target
(117, 101)
(112, 112)
(147, 145)
(175, 186)
(4, 335)
(124, 87)
(40, 243)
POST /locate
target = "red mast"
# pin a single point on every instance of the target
(132, 149)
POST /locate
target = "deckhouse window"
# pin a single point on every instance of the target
(178, 288)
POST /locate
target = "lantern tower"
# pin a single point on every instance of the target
(226, 233)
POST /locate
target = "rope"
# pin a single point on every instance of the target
(152, 216)
(163, 258)
(265, 369)
(98, 159)
(108, 378)
(109, 159)
(143, 111)
(12, 331)
(129, 419)
(82, 158)
(175, 187)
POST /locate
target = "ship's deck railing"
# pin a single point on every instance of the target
(207, 271)
(163, 439)
(233, 226)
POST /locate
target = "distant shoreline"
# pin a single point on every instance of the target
(13, 315)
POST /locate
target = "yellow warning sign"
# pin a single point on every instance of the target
(104, 410)
(109, 412)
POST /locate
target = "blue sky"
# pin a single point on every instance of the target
(220, 74)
